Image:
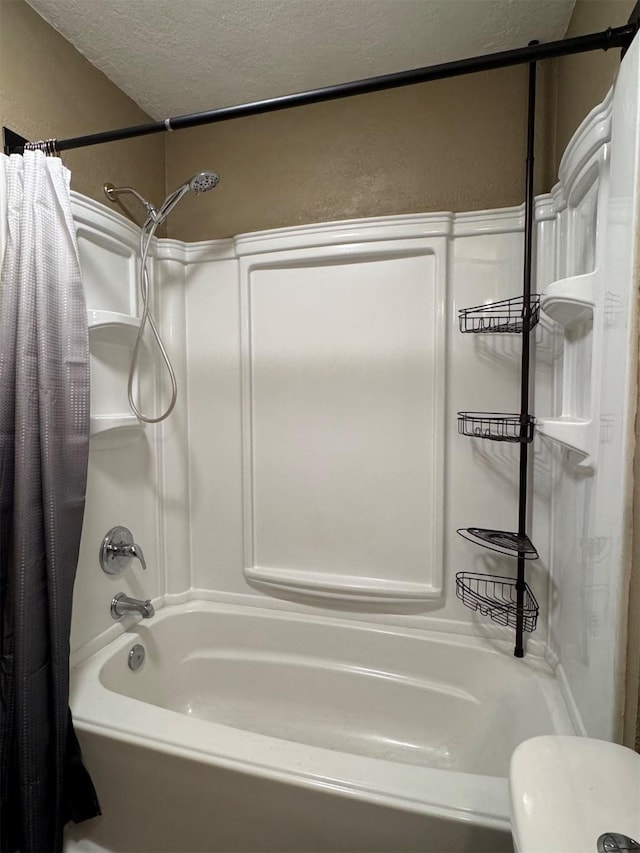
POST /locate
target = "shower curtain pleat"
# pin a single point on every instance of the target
(44, 446)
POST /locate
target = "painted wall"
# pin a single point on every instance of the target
(450, 145)
(583, 80)
(48, 89)
(422, 148)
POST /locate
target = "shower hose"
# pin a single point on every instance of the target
(147, 233)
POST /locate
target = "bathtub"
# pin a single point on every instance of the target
(256, 730)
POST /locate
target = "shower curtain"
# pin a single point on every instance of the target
(44, 445)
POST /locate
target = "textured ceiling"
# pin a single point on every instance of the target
(181, 56)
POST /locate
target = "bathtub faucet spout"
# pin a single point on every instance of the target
(122, 604)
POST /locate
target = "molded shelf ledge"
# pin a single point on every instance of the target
(576, 434)
(105, 319)
(573, 303)
(115, 430)
(570, 301)
(342, 587)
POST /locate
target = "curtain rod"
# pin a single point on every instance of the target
(614, 37)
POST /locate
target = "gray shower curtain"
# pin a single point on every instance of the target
(44, 445)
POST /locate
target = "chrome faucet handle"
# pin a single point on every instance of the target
(135, 551)
(117, 551)
(615, 842)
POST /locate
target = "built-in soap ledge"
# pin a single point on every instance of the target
(117, 430)
(97, 319)
(570, 301)
(574, 434)
(350, 588)
(573, 304)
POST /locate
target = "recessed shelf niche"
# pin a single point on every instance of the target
(112, 335)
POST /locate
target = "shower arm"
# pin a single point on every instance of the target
(113, 194)
(614, 37)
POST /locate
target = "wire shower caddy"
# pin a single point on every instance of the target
(507, 601)
(496, 426)
(500, 541)
(508, 316)
(497, 597)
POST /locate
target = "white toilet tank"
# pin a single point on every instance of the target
(568, 792)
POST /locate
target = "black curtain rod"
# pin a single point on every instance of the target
(616, 37)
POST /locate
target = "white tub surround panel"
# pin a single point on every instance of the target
(483, 252)
(343, 418)
(570, 300)
(591, 427)
(123, 483)
(382, 375)
(215, 422)
(108, 248)
(170, 260)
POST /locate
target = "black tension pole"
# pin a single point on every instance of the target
(525, 417)
(616, 37)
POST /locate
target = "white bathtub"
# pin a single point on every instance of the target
(251, 730)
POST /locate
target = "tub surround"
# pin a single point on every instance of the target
(309, 486)
(227, 308)
(234, 541)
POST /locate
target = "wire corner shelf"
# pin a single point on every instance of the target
(501, 541)
(507, 317)
(497, 426)
(496, 597)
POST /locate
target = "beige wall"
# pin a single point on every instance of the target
(584, 79)
(48, 89)
(451, 145)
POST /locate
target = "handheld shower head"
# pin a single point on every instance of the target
(204, 181)
(200, 183)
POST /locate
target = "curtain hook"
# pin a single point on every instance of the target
(49, 147)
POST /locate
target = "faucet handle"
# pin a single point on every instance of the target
(135, 551)
(117, 550)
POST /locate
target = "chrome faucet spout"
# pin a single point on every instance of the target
(122, 604)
